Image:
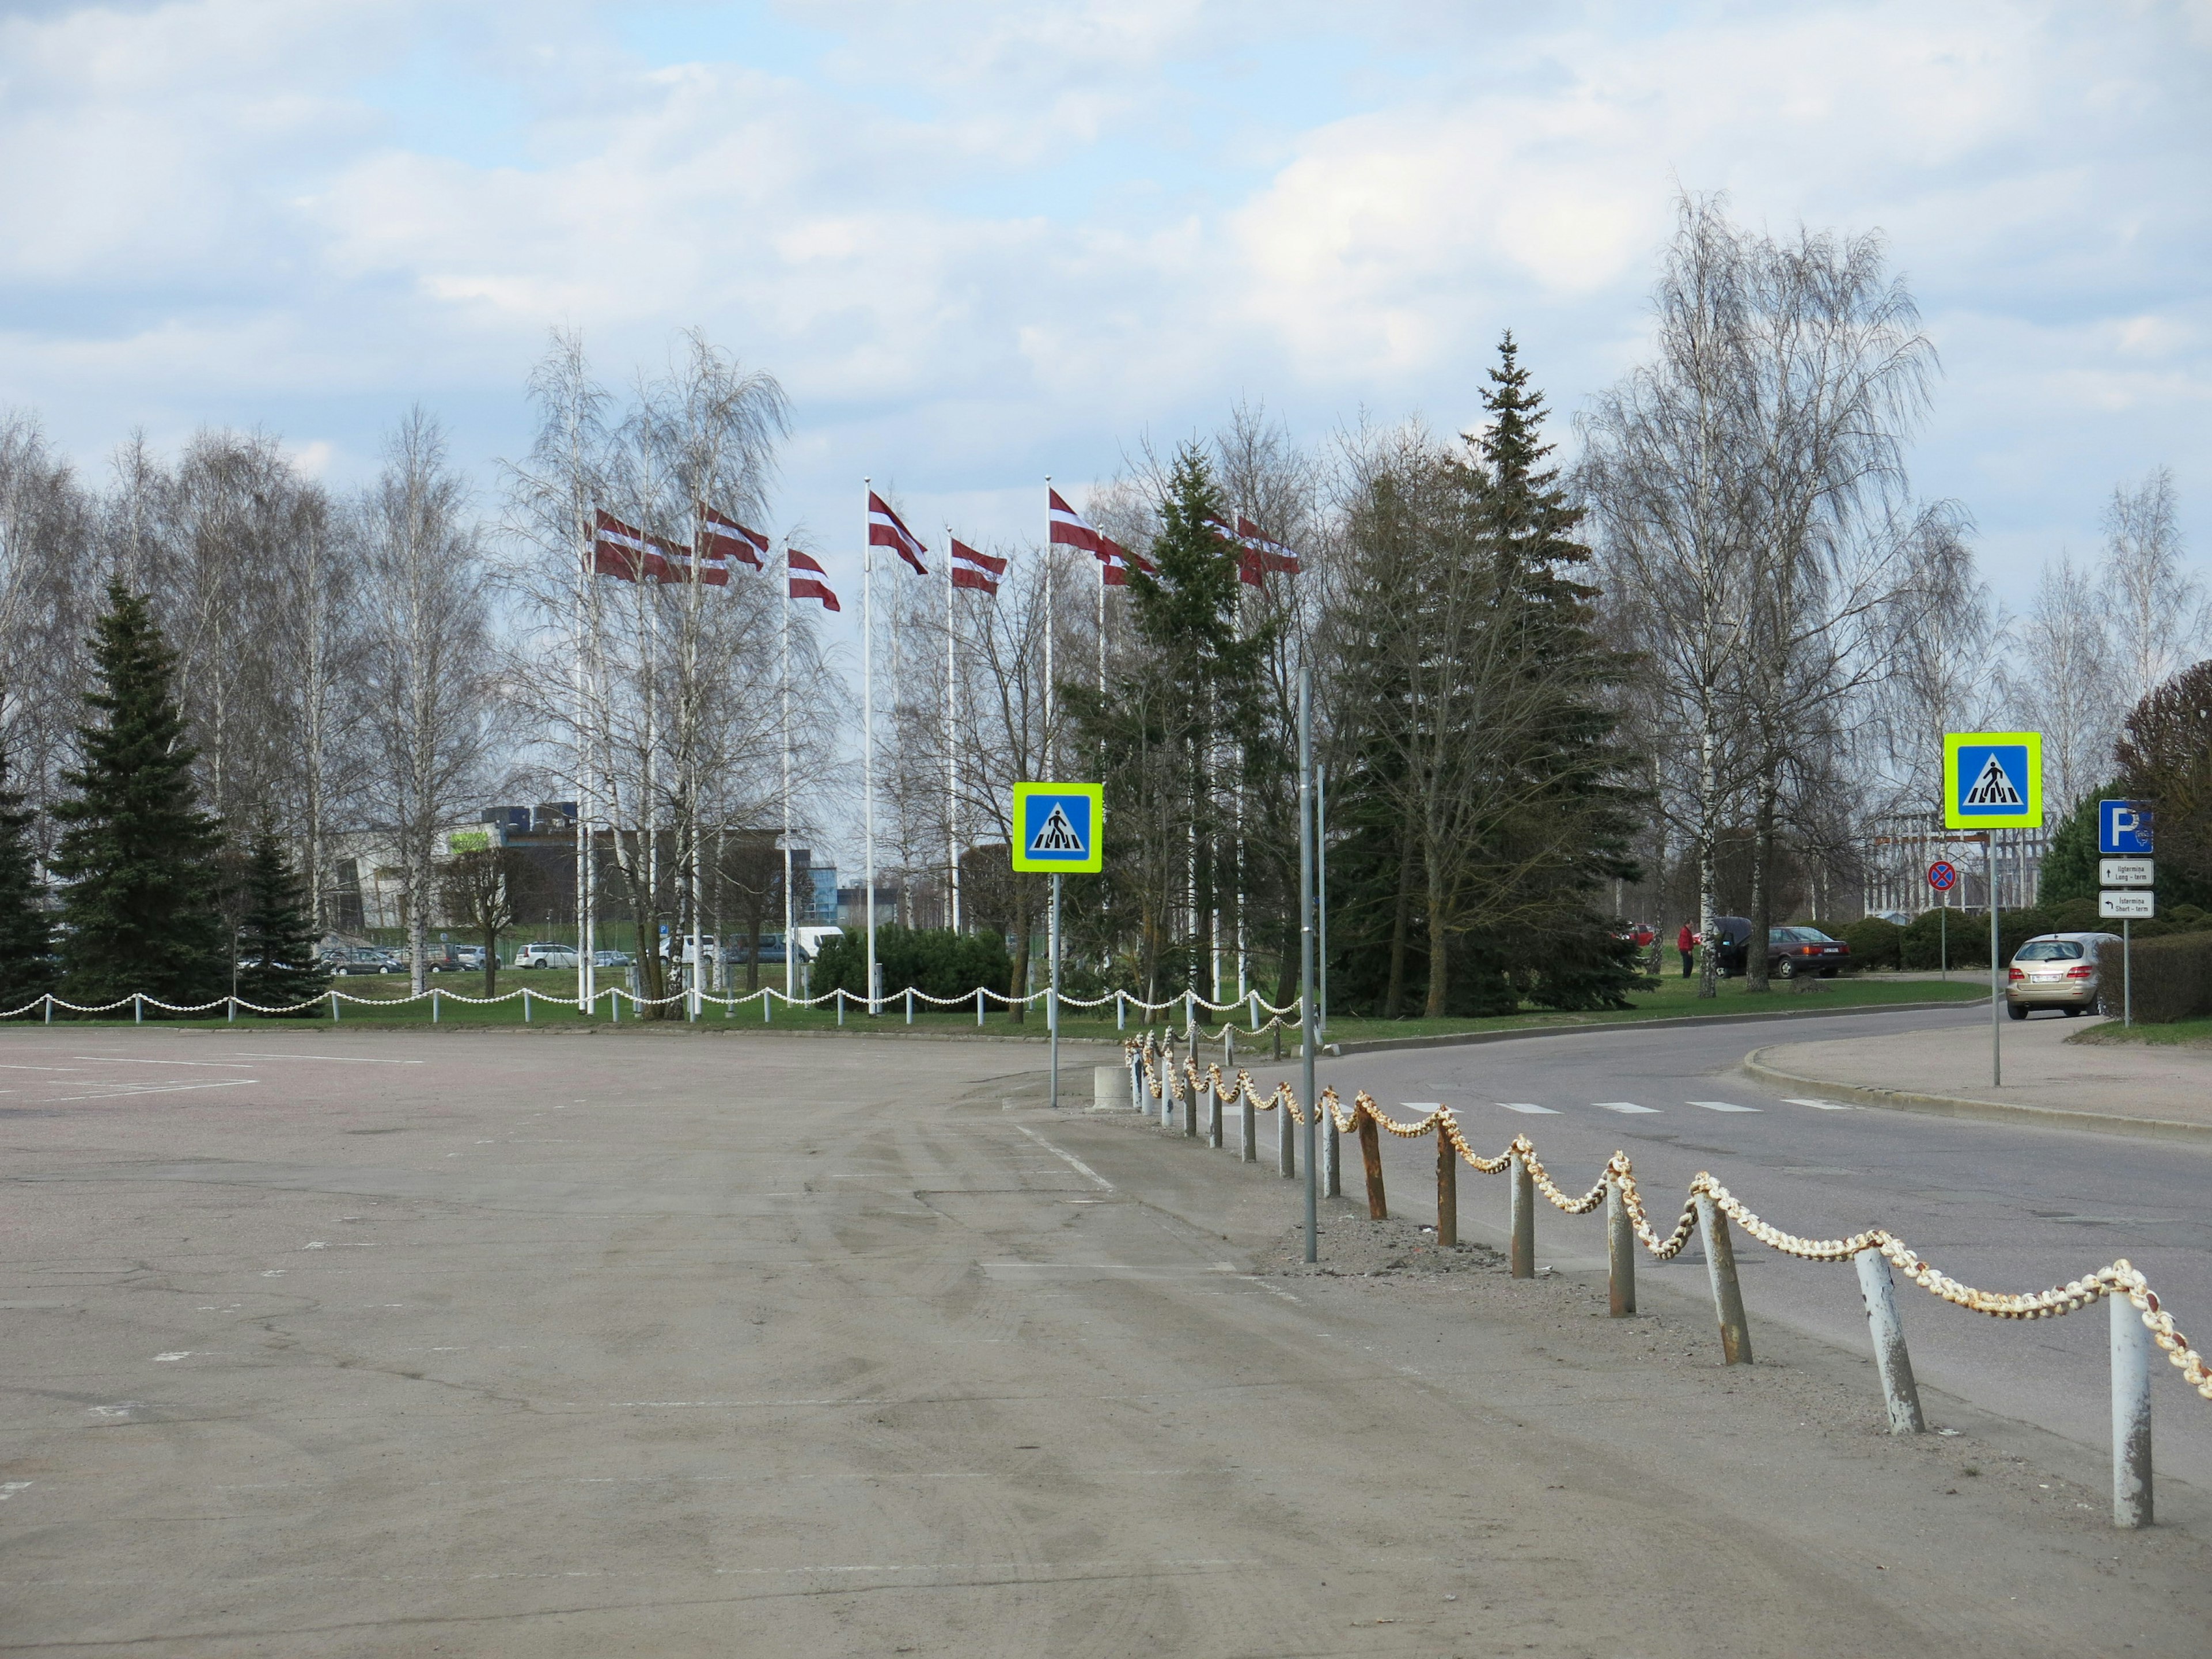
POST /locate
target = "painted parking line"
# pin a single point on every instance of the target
(1622, 1106)
(1723, 1106)
(1529, 1107)
(1818, 1105)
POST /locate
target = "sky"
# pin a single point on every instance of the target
(980, 242)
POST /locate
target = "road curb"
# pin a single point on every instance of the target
(1461, 1039)
(1999, 1111)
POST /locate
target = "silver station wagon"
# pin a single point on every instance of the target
(2060, 970)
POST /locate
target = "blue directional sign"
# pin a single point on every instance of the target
(1057, 827)
(2123, 826)
(1992, 780)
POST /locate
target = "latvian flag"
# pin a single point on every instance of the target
(887, 529)
(808, 586)
(1070, 529)
(723, 539)
(1260, 556)
(977, 570)
(619, 550)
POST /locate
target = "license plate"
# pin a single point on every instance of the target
(2048, 979)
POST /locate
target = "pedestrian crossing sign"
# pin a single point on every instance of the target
(1057, 827)
(1993, 780)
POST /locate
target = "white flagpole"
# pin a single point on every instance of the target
(1047, 628)
(790, 907)
(580, 673)
(951, 750)
(868, 727)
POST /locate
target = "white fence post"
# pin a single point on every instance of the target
(1900, 1396)
(137, 1007)
(525, 1004)
(2131, 1487)
(909, 1005)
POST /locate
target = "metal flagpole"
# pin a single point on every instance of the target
(1306, 952)
(868, 727)
(790, 907)
(1048, 626)
(951, 752)
(580, 676)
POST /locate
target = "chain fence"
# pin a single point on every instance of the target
(1155, 1071)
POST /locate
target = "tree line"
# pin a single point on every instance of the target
(1700, 664)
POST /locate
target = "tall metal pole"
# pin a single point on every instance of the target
(1048, 772)
(1308, 1030)
(868, 727)
(1321, 898)
(1997, 977)
(790, 900)
(951, 749)
(1052, 1005)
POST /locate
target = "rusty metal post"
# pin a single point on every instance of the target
(1248, 1128)
(1213, 1115)
(1727, 1295)
(1331, 1159)
(1190, 1111)
(2131, 1345)
(1447, 1189)
(1620, 1250)
(1370, 1154)
(1900, 1395)
(1286, 1144)
(1524, 1219)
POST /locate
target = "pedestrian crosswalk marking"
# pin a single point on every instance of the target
(1723, 1106)
(1622, 1106)
(1819, 1105)
(1528, 1107)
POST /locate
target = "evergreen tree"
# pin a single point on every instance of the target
(27, 931)
(137, 853)
(276, 961)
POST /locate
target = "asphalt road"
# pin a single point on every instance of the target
(2004, 1207)
(318, 1344)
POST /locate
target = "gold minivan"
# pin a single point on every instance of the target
(2058, 970)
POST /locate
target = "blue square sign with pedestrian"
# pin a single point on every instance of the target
(2124, 827)
(1056, 828)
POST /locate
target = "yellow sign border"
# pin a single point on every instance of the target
(1090, 867)
(1953, 818)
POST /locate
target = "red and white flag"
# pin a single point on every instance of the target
(973, 569)
(804, 586)
(617, 550)
(1273, 555)
(887, 529)
(1070, 529)
(722, 540)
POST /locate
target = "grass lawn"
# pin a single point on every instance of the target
(2182, 1033)
(1673, 998)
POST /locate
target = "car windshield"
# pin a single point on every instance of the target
(2050, 949)
(1795, 936)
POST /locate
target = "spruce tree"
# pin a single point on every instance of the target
(138, 855)
(276, 961)
(26, 930)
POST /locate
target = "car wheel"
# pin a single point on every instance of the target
(1789, 969)
(2016, 1011)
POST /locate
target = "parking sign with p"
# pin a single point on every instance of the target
(2124, 827)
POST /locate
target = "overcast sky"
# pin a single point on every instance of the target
(979, 242)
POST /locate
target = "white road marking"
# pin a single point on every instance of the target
(1068, 1159)
(348, 1059)
(110, 1091)
(9, 1488)
(1622, 1106)
(123, 1060)
(1529, 1108)
(166, 1358)
(1723, 1106)
(1819, 1105)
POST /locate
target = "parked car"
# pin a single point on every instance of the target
(2057, 970)
(472, 957)
(353, 959)
(536, 955)
(1790, 952)
(613, 959)
(443, 959)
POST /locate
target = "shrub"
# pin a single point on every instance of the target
(1875, 944)
(933, 960)
(2172, 978)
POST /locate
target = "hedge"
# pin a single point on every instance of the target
(2172, 978)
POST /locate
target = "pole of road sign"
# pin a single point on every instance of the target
(1308, 1033)
(1052, 1008)
(2127, 974)
(1997, 977)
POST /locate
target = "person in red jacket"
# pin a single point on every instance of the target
(1686, 943)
